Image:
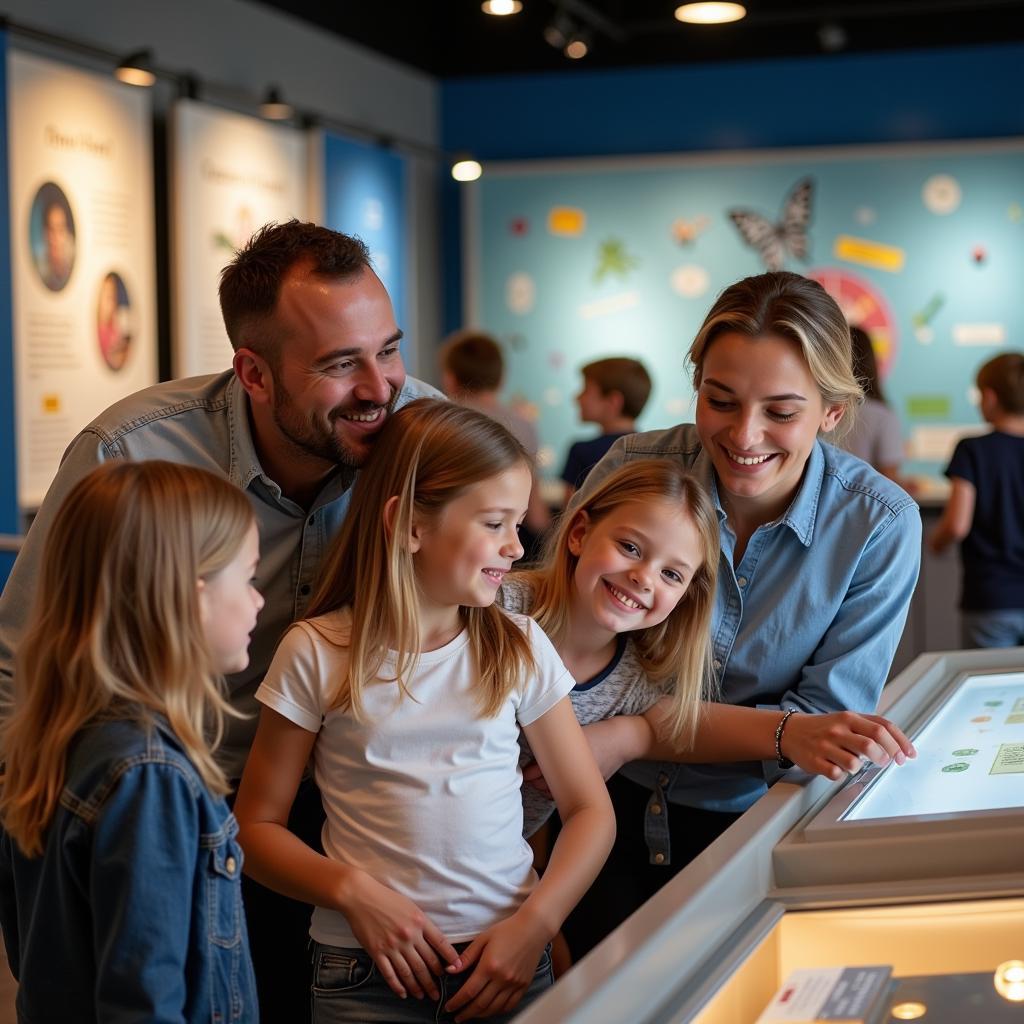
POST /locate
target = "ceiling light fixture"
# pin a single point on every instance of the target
(578, 45)
(466, 168)
(501, 7)
(136, 69)
(274, 107)
(710, 13)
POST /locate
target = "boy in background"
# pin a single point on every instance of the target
(985, 511)
(472, 372)
(614, 394)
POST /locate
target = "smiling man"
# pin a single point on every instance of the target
(316, 371)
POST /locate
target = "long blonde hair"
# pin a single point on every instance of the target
(675, 653)
(798, 309)
(115, 631)
(427, 455)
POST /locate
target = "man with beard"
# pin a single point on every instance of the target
(316, 371)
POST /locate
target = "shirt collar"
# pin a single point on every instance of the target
(803, 510)
(245, 464)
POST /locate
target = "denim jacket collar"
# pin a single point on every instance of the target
(244, 466)
(803, 510)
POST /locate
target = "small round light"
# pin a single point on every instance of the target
(1009, 981)
(909, 1011)
(466, 170)
(576, 48)
(710, 13)
(135, 76)
(501, 7)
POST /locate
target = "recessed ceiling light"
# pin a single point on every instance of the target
(466, 169)
(501, 7)
(710, 13)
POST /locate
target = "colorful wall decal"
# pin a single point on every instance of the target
(612, 258)
(869, 254)
(566, 221)
(774, 240)
(941, 194)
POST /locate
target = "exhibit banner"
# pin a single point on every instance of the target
(231, 174)
(364, 195)
(920, 245)
(81, 241)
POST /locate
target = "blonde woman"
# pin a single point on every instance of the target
(408, 688)
(118, 858)
(820, 555)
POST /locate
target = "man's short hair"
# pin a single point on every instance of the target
(627, 376)
(474, 359)
(250, 284)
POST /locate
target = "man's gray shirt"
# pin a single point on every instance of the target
(201, 421)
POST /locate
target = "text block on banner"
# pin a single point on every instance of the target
(81, 202)
(231, 175)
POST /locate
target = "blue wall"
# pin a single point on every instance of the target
(892, 97)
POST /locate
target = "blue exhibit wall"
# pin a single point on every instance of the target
(8, 465)
(958, 93)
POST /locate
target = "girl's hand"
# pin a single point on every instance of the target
(505, 958)
(402, 940)
(841, 742)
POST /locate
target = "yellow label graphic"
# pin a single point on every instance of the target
(869, 254)
(1009, 760)
(566, 221)
(51, 403)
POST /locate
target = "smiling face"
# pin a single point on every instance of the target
(339, 368)
(461, 559)
(633, 565)
(228, 606)
(759, 412)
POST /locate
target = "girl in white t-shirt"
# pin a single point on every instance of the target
(408, 688)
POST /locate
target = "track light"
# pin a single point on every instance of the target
(501, 7)
(578, 45)
(710, 13)
(274, 108)
(136, 69)
(466, 168)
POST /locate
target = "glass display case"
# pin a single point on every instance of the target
(920, 867)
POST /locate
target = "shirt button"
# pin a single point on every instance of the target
(655, 809)
(662, 779)
(311, 520)
(742, 581)
(305, 589)
(659, 858)
(230, 864)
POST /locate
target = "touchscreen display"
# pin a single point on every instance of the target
(970, 756)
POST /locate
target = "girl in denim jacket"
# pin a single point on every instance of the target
(119, 869)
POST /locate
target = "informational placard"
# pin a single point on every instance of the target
(922, 246)
(970, 756)
(231, 175)
(364, 195)
(81, 200)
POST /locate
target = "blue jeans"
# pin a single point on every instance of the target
(996, 628)
(348, 989)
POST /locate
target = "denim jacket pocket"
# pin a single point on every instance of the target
(224, 890)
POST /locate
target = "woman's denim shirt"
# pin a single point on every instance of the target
(810, 618)
(134, 910)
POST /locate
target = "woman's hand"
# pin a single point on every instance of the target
(841, 742)
(504, 960)
(405, 944)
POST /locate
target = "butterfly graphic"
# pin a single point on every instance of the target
(773, 241)
(685, 232)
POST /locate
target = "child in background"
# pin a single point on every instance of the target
(625, 594)
(472, 373)
(614, 394)
(409, 688)
(120, 891)
(876, 435)
(984, 511)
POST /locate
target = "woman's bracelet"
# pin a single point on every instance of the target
(783, 762)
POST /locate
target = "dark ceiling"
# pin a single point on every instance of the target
(454, 37)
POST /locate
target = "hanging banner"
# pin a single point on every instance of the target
(364, 195)
(231, 175)
(81, 235)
